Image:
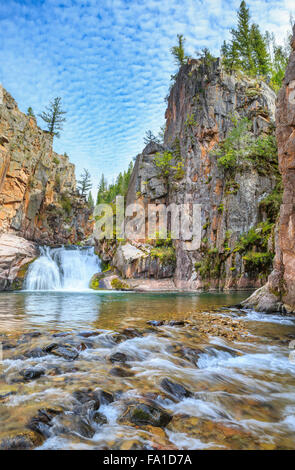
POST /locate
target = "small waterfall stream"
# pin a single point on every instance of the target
(63, 268)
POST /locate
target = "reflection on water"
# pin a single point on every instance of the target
(72, 310)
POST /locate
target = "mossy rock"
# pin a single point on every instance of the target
(117, 284)
(95, 281)
(18, 282)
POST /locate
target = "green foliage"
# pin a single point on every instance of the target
(237, 141)
(178, 51)
(255, 53)
(190, 121)
(150, 138)
(206, 57)
(119, 285)
(258, 262)
(84, 184)
(66, 204)
(272, 203)
(256, 237)
(107, 193)
(30, 112)
(211, 266)
(163, 162)
(90, 200)
(166, 254)
(54, 117)
(242, 147)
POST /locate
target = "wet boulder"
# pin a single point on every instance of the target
(105, 398)
(88, 396)
(191, 355)
(42, 422)
(119, 357)
(145, 412)
(120, 372)
(65, 351)
(99, 418)
(36, 352)
(156, 322)
(176, 390)
(32, 373)
(73, 423)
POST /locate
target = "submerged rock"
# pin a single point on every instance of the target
(43, 421)
(175, 389)
(119, 372)
(32, 373)
(86, 395)
(73, 423)
(36, 352)
(99, 418)
(145, 412)
(119, 357)
(23, 441)
(66, 351)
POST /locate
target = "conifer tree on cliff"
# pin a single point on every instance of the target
(54, 117)
(242, 37)
(248, 48)
(84, 184)
(178, 51)
(30, 112)
(261, 57)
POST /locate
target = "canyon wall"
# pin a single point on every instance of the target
(279, 292)
(205, 106)
(38, 197)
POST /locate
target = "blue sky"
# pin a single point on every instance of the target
(109, 60)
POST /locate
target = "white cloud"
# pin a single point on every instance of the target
(109, 61)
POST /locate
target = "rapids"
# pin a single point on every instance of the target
(235, 366)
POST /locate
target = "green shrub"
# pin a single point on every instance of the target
(119, 285)
(166, 254)
(66, 204)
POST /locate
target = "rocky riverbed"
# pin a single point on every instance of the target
(207, 377)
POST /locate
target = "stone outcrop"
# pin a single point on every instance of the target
(279, 292)
(203, 106)
(15, 255)
(38, 198)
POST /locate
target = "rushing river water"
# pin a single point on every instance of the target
(203, 376)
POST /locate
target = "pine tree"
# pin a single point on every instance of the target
(84, 184)
(90, 200)
(30, 112)
(102, 188)
(53, 116)
(150, 138)
(178, 51)
(242, 38)
(261, 56)
(230, 56)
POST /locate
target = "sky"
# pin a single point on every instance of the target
(110, 63)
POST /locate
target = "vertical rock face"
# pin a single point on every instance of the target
(39, 203)
(204, 105)
(285, 119)
(38, 198)
(279, 292)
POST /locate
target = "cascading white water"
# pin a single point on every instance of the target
(63, 268)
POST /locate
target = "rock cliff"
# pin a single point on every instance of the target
(219, 151)
(279, 292)
(38, 197)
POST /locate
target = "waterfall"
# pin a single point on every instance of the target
(63, 268)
